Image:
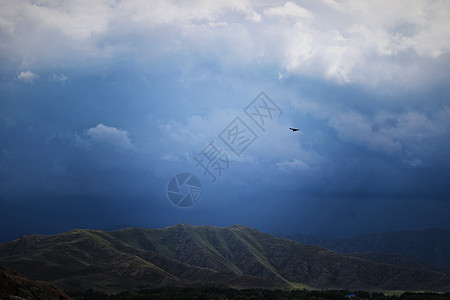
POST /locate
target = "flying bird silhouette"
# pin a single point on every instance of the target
(294, 129)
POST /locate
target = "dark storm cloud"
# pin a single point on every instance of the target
(99, 111)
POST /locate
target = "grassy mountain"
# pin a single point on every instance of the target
(430, 245)
(16, 286)
(183, 255)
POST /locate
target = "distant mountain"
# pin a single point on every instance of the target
(430, 245)
(399, 260)
(16, 286)
(183, 255)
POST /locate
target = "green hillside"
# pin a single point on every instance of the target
(189, 256)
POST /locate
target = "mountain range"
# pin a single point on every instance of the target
(199, 256)
(429, 245)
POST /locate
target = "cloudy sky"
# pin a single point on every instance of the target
(103, 102)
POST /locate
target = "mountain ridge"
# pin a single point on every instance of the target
(430, 245)
(183, 255)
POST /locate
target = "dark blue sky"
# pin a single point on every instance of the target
(102, 103)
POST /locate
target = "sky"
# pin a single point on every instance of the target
(103, 103)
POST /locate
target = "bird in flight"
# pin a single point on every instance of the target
(294, 129)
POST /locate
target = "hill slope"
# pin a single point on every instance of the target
(16, 286)
(430, 245)
(184, 255)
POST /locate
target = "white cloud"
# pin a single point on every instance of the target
(349, 41)
(289, 9)
(176, 12)
(110, 135)
(58, 78)
(77, 19)
(28, 76)
(80, 142)
(402, 134)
